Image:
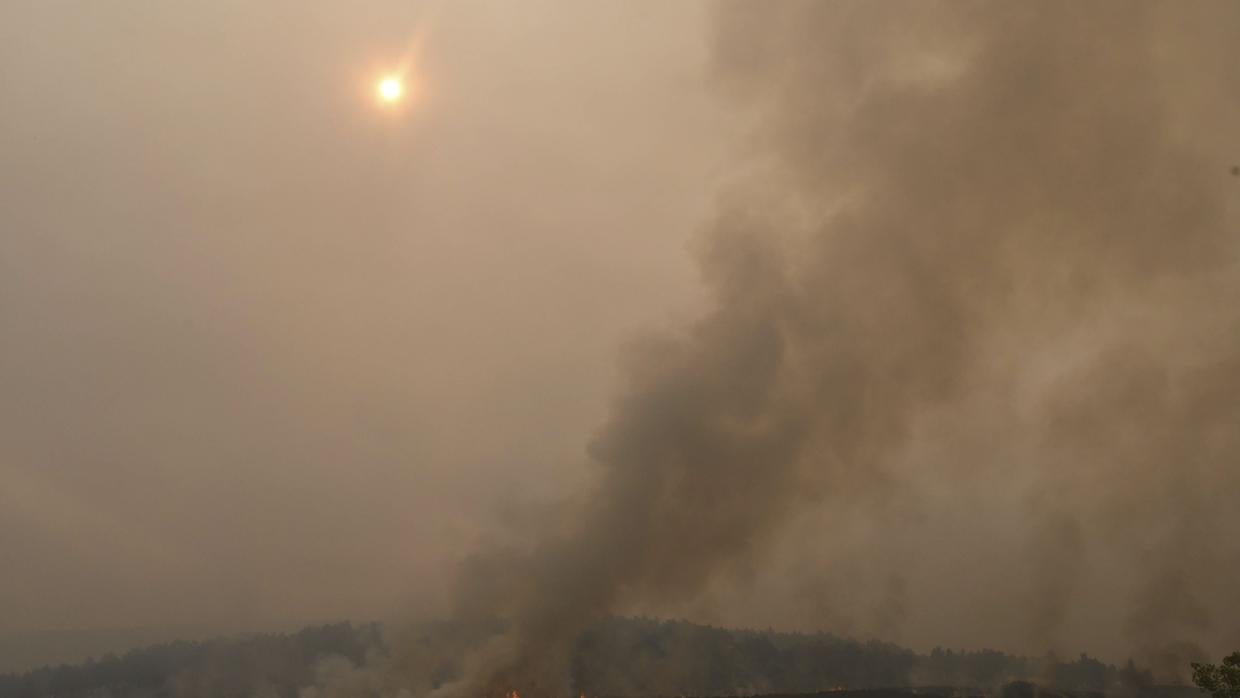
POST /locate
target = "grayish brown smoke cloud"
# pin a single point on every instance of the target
(966, 373)
(984, 244)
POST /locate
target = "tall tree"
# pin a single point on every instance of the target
(1221, 680)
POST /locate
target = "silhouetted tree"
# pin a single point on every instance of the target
(1219, 680)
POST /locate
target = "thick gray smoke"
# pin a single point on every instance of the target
(979, 243)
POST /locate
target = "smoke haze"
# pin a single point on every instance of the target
(272, 355)
(963, 371)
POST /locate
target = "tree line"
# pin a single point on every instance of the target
(617, 657)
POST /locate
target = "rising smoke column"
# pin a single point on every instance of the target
(949, 200)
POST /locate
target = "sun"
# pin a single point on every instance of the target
(390, 89)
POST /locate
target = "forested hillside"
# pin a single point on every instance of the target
(620, 657)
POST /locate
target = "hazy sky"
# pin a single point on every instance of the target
(271, 352)
(946, 351)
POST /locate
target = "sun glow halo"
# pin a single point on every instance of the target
(390, 89)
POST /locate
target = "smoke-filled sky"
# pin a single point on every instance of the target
(901, 320)
(273, 353)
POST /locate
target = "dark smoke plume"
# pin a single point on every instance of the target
(1009, 215)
